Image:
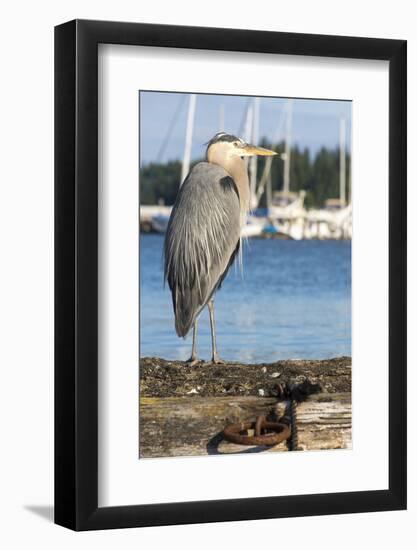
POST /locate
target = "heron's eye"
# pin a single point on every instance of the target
(236, 144)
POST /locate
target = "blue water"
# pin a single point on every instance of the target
(293, 301)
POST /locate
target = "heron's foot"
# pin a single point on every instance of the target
(217, 361)
(193, 360)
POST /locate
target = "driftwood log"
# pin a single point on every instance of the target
(183, 409)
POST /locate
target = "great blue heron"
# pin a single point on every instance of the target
(203, 234)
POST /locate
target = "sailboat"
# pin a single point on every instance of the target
(254, 225)
(285, 209)
(334, 221)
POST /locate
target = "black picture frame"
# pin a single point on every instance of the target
(76, 272)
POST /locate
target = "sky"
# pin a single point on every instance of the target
(163, 116)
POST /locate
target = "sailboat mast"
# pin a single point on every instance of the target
(254, 160)
(188, 137)
(247, 135)
(269, 191)
(221, 118)
(287, 158)
(342, 163)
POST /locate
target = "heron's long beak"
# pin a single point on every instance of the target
(251, 150)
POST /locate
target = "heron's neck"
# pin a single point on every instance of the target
(238, 170)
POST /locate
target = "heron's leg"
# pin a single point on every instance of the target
(215, 358)
(193, 360)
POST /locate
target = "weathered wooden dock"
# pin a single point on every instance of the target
(184, 409)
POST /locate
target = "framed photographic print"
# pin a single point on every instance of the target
(230, 275)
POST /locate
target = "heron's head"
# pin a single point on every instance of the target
(228, 147)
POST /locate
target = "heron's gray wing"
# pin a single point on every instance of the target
(201, 241)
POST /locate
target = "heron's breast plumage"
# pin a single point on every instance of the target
(201, 240)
